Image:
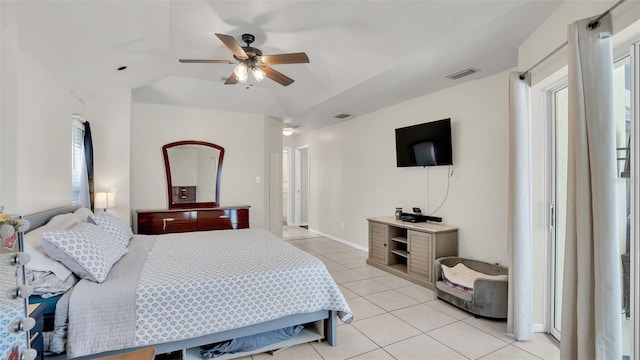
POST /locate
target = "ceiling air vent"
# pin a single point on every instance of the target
(342, 116)
(462, 73)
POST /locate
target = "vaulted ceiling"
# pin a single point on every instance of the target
(364, 55)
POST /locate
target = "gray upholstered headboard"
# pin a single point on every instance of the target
(40, 218)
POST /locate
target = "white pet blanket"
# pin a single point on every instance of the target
(464, 277)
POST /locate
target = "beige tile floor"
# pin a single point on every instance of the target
(396, 319)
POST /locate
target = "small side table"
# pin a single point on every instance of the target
(36, 311)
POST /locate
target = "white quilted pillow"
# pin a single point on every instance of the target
(33, 245)
(120, 231)
(86, 249)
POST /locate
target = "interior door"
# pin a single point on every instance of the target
(302, 186)
(287, 218)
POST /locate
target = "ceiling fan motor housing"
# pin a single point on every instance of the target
(249, 50)
(248, 38)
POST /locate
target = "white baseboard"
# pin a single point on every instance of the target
(356, 246)
(538, 328)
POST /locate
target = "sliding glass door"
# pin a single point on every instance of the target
(622, 108)
(557, 100)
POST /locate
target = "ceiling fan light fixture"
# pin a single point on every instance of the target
(241, 70)
(287, 131)
(258, 73)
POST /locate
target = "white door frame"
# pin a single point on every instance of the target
(290, 220)
(543, 108)
(635, 199)
(298, 183)
(551, 201)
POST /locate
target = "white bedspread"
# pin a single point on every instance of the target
(200, 283)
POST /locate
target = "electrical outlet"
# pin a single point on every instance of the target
(342, 225)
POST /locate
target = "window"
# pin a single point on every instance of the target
(79, 184)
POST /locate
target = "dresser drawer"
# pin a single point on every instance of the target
(216, 220)
(184, 194)
(36, 340)
(167, 222)
(37, 343)
(223, 219)
(154, 222)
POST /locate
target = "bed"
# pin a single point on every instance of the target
(185, 290)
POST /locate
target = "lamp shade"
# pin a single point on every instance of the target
(104, 200)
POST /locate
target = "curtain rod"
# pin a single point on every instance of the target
(592, 26)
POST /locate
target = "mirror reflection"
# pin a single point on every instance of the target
(193, 171)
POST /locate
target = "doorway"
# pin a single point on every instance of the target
(302, 186)
(287, 187)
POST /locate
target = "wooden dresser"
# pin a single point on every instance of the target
(155, 222)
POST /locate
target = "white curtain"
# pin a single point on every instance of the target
(519, 317)
(591, 306)
(85, 197)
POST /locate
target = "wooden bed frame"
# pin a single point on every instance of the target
(327, 318)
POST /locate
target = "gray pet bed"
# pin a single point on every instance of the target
(489, 297)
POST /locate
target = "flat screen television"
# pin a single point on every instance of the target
(427, 144)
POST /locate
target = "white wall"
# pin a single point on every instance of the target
(273, 175)
(43, 135)
(241, 135)
(8, 105)
(110, 119)
(354, 173)
(35, 124)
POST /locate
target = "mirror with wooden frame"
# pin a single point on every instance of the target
(193, 173)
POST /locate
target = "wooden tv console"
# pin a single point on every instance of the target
(409, 250)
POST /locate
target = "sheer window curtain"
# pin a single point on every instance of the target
(519, 317)
(591, 304)
(82, 164)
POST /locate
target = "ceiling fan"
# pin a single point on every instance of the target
(253, 62)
